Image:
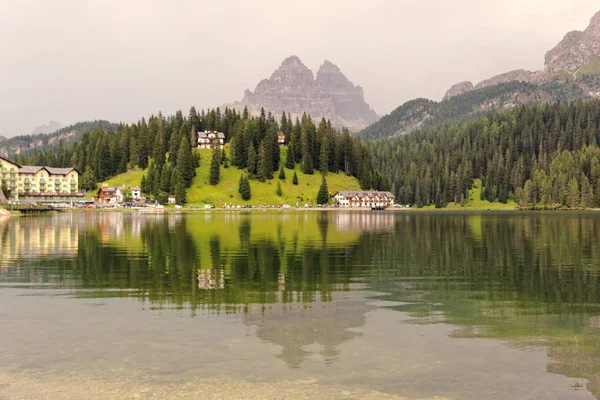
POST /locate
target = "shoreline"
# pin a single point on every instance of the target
(348, 210)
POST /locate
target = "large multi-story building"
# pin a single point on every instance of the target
(39, 184)
(347, 198)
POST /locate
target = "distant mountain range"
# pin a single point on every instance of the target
(2, 138)
(9, 147)
(294, 89)
(53, 126)
(571, 72)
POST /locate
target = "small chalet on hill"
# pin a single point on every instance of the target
(281, 139)
(210, 140)
(357, 199)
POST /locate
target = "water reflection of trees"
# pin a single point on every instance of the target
(519, 276)
(532, 278)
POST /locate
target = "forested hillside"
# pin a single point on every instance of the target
(165, 148)
(545, 155)
(423, 113)
(26, 145)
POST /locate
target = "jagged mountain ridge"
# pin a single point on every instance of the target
(571, 72)
(25, 144)
(294, 89)
(52, 126)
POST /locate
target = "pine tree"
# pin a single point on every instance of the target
(574, 194)
(279, 192)
(281, 174)
(157, 181)
(252, 159)
(323, 195)
(143, 150)
(165, 178)
(144, 185)
(295, 179)
(587, 195)
(264, 170)
(324, 156)
(244, 188)
(215, 166)
(179, 187)
(159, 151)
(290, 158)
(150, 179)
(88, 180)
(185, 162)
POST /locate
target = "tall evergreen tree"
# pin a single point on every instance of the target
(179, 187)
(290, 158)
(264, 165)
(185, 162)
(252, 159)
(215, 166)
(244, 188)
(295, 179)
(323, 194)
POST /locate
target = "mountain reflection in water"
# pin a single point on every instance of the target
(315, 285)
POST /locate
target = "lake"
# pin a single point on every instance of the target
(308, 305)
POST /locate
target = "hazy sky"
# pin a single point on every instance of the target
(120, 60)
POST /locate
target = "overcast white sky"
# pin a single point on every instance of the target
(74, 60)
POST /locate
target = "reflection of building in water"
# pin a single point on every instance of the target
(126, 225)
(210, 279)
(22, 238)
(304, 330)
(281, 281)
(364, 221)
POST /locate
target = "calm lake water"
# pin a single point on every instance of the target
(300, 305)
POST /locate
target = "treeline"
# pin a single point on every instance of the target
(166, 147)
(540, 155)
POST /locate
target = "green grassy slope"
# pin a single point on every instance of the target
(263, 193)
(126, 179)
(475, 203)
(592, 67)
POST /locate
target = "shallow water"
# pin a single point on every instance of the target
(300, 305)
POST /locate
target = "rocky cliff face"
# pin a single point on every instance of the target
(294, 89)
(577, 51)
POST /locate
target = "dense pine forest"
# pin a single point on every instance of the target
(543, 156)
(166, 148)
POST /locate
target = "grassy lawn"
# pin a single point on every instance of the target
(475, 203)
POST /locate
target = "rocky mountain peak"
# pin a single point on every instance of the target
(328, 68)
(294, 89)
(458, 89)
(595, 21)
(576, 49)
(292, 61)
